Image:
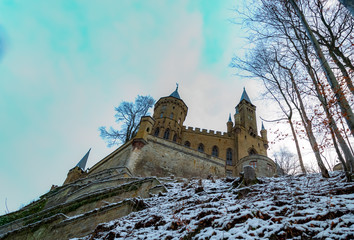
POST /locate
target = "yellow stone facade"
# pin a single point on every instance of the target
(240, 140)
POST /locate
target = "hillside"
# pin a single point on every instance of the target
(300, 207)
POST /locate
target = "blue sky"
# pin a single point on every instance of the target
(66, 64)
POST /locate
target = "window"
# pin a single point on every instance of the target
(228, 173)
(201, 147)
(175, 138)
(253, 164)
(171, 115)
(187, 144)
(161, 115)
(157, 131)
(252, 152)
(167, 134)
(215, 151)
(229, 156)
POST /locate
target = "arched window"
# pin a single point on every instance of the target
(252, 151)
(229, 156)
(171, 115)
(157, 131)
(175, 138)
(187, 144)
(215, 151)
(201, 147)
(161, 114)
(167, 134)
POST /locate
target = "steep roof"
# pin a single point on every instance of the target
(83, 161)
(175, 93)
(245, 96)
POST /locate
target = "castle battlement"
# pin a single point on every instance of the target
(204, 131)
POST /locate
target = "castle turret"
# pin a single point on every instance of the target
(145, 128)
(169, 114)
(78, 171)
(229, 125)
(264, 136)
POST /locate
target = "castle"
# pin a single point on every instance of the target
(193, 152)
(116, 185)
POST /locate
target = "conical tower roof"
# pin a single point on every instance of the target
(230, 118)
(245, 96)
(175, 93)
(83, 161)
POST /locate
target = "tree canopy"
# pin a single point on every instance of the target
(128, 115)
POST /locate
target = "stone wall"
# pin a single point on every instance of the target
(163, 158)
(264, 166)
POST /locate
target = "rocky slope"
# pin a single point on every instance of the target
(300, 207)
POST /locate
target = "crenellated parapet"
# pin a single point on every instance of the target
(205, 132)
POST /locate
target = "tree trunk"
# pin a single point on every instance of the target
(303, 169)
(308, 127)
(342, 101)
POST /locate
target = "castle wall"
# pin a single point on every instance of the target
(209, 139)
(264, 166)
(118, 158)
(162, 158)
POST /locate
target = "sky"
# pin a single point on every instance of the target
(65, 65)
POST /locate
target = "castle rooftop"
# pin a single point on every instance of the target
(245, 96)
(175, 93)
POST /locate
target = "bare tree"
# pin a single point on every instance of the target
(332, 80)
(128, 115)
(286, 160)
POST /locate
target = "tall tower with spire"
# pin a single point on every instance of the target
(247, 114)
(169, 114)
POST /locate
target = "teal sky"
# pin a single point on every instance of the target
(66, 64)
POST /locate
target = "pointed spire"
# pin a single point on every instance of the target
(230, 118)
(245, 96)
(175, 93)
(83, 161)
(263, 126)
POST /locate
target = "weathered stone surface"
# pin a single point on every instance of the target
(60, 226)
(249, 175)
(93, 198)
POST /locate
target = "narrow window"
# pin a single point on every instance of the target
(161, 115)
(167, 134)
(215, 151)
(157, 131)
(229, 156)
(171, 115)
(187, 144)
(201, 147)
(175, 138)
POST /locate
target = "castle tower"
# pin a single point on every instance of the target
(264, 137)
(169, 114)
(246, 114)
(78, 171)
(229, 125)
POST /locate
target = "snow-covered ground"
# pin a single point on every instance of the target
(300, 207)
